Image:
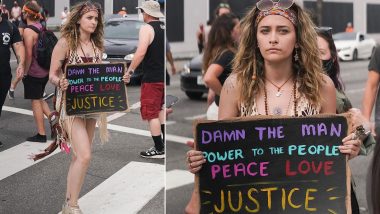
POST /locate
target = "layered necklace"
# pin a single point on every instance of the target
(279, 91)
(277, 110)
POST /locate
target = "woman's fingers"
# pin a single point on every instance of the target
(351, 147)
(195, 160)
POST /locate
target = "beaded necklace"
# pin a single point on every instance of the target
(294, 92)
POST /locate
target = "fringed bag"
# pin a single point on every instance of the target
(58, 133)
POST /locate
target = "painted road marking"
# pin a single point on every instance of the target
(128, 190)
(177, 178)
(200, 116)
(16, 158)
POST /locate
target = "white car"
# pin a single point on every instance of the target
(354, 45)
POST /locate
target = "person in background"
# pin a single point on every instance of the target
(16, 13)
(219, 53)
(349, 27)
(9, 36)
(22, 25)
(65, 13)
(329, 57)
(202, 35)
(151, 53)
(373, 182)
(371, 93)
(123, 12)
(37, 77)
(203, 31)
(169, 58)
(4, 12)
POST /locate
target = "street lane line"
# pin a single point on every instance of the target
(177, 178)
(178, 139)
(170, 122)
(126, 191)
(16, 159)
(18, 110)
(169, 137)
(200, 116)
(115, 116)
(135, 106)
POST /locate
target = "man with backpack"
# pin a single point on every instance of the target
(9, 36)
(37, 67)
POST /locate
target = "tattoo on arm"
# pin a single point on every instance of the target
(229, 84)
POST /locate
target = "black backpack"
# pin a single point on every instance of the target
(45, 45)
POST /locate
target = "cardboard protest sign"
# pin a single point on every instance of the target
(273, 165)
(95, 88)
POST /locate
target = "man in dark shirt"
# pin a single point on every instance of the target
(9, 35)
(151, 52)
(371, 91)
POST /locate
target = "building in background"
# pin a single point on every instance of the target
(55, 7)
(184, 16)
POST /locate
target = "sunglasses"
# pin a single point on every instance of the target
(324, 30)
(266, 5)
(224, 5)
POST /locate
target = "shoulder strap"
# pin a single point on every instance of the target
(34, 28)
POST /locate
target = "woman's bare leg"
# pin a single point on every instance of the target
(81, 143)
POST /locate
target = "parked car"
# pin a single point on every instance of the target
(354, 45)
(192, 79)
(121, 37)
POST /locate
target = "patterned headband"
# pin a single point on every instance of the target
(288, 14)
(87, 7)
(31, 12)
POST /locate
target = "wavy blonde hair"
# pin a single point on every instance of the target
(70, 30)
(249, 61)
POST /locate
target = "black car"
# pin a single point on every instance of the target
(192, 79)
(121, 36)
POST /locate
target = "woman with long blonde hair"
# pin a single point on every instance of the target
(81, 42)
(277, 71)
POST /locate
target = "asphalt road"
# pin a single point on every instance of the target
(179, 181)
(118, 179)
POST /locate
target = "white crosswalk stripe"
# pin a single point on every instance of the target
(177, 178)
(16, 159)
(128, 189)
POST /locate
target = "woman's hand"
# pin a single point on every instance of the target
(195, 160)
(127, 77)
(63, 84)
(351, 145)
(358, 120)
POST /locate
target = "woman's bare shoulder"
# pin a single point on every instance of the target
(327, 81)
(231, 83)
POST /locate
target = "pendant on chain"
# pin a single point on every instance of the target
(277, 111)
(278, 94)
